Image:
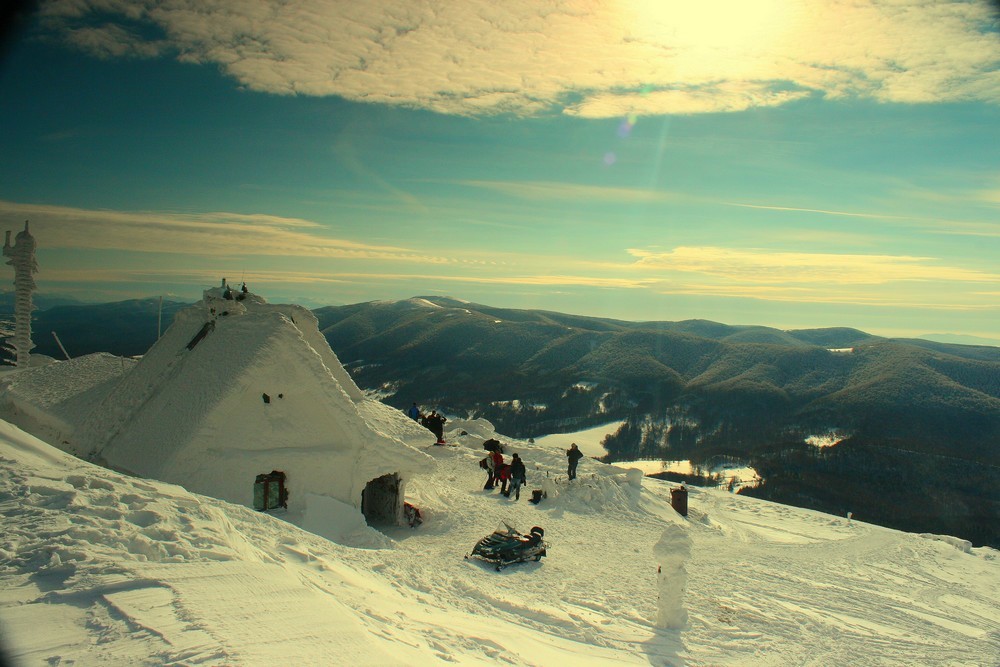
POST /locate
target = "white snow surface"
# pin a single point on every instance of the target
(51, 400)
(97, 567)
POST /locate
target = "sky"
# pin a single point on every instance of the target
(782, 163)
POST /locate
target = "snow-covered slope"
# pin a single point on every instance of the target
(100, 568)
(52, 399)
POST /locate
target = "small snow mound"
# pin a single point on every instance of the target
(475, 429)
(958, 543)
(594, 493)
(341, 523)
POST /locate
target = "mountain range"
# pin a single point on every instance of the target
(904, 414)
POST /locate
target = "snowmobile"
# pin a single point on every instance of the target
(506, 546)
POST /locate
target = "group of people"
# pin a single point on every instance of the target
(509, 476)
(432, 421)
(512, 476)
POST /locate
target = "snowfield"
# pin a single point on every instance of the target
(100, 568)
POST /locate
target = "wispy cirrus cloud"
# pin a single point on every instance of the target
(599, 59)
(840, 296)
(793, 209)
(525, 279)
(206, 234)
(926, 224)
(766, 267)
(553, 191)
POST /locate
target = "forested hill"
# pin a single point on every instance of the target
(910, 413)
(533, 371)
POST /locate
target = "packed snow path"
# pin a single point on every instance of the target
(100, 567)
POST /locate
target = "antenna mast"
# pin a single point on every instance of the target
(22, 258)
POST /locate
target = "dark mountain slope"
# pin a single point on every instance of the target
(125, 328)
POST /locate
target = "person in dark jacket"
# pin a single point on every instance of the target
(517, 476)
(414, 413)
(573, 455)
(435, 422)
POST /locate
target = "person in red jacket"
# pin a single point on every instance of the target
(503, 476)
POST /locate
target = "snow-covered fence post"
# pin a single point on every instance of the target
(672, 553)
(22, 258)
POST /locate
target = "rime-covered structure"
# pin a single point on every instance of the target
(237, 388)
(22, 258)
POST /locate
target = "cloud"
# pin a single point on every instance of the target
(926, 224)
(833, 297)
(547, 191)
(593, 59)
(879, 216)
(553, 280)
(766, 267)
(205, 234)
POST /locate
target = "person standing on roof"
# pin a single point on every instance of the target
(573, 456)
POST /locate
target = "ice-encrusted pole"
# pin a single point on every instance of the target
(22, 258)
(672, 553)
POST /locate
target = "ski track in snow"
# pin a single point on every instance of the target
(129, 571)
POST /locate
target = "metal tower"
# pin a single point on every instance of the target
(22, 258)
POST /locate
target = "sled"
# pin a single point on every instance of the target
(506, 546)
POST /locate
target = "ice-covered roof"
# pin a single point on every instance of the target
(51, 400)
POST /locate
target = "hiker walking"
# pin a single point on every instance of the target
(517, 476)
(503, 476)
(573, 456)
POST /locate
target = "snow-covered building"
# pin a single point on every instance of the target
(237, 388)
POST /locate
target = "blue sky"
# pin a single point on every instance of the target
(780, 163)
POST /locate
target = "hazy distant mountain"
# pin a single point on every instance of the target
(124, 328)
(40, 300)
(908, 413)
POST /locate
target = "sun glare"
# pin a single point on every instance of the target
(729, 25)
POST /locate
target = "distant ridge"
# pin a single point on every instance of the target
(958, 339)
